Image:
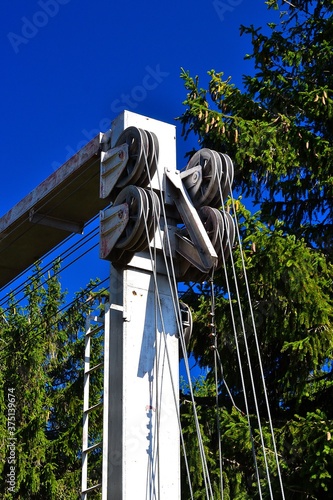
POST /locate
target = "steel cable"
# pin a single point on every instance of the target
(173, 290)
(249, 365)
(55, 316)
(66, 254)
(258, 354)
(207, 481)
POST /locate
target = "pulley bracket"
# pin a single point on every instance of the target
(187, 326)
(200, 250)
(113, 221)
(192, 179)
(113, 163)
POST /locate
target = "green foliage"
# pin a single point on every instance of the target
(278, 131)
(290, 286)
(42, 364)
(317, 473)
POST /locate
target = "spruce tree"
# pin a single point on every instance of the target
(277, 130)
(42, 358)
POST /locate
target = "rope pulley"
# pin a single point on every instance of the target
(133, 160)
(208, 177)
(142, 157)
(139, 211)
(203, 234)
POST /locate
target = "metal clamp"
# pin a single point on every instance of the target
(113, 163)
(198, 249)
(112, 224)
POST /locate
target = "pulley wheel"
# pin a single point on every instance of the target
(229, 234)
(150, 160)
(151, 220)
(214, 225)
(137, 142)
(221, 169)
(137, 202)
(229, 175)
(187, 326)
(210, 219)
(207, 159)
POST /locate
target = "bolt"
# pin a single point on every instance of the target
(120, 214)
(121, 155)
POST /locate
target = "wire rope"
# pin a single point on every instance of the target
(173, 287)
(207, 481)
(248, 357)
(55, 274)
(55, 316)
(240, 366)
(258, 354)
(215, 351)
(158, 312)
(3, 287)
(66, 254)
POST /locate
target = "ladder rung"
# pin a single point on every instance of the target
(92, 447)
(94, 330)
(92, 488)
(94, 407)
(94, 368)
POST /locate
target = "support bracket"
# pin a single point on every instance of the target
(46, 220)
(192, 179)
(199, 251)
(113, 163)
(113, 221)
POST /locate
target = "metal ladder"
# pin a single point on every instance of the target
(93, 332)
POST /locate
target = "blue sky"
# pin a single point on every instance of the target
(70, 67)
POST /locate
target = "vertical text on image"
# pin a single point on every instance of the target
(11, 440)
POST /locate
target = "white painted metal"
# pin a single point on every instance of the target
(111, 168)
(144, 447)
(165, 133)
(112, 222)
(94, 325)
(201, 251)
(106, 397)
(142, 460)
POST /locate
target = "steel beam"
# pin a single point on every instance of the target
(143, 430)
(61, 205)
